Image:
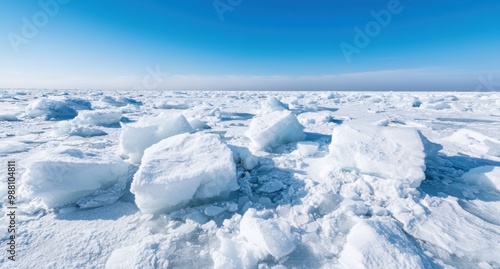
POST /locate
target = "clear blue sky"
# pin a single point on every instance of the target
(255, 44)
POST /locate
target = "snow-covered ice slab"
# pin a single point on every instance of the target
(487, 177)
(70, 176)
(181, 169)
(380, 244)
(137, 137)
(102, 117)
(274, 129)
(271, 104)
(50, 109)
(271, 235)
(393, 153)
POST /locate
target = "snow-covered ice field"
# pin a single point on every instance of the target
(155, 179)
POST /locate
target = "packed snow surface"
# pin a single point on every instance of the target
(149, 179)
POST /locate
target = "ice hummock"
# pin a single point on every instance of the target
(138, 136)
(182, 169)
(380, 244)
(390, 153)
(275, 128)
(50, 110)
(101, 118)
(69, 176)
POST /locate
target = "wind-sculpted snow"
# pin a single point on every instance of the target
(150, 179)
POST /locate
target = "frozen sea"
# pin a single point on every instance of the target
(160, 179)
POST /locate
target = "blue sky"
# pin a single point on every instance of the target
(250, 44)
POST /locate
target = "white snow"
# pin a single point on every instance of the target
(392, 153)
(73, 128)
(274, 129)
(102, 117)
(307, 148)
(50, 109)
(138, 136)
(271, 235)
(71, 176)
(380, 244)
(181, 169)
(271, 104)
(12, 147)
(345, 189)
(488, 177)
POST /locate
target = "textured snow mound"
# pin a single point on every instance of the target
(102, 117)
(183, 168)
(50, 109)
(137, 137)
(72, 128)
(393, 153)
(271, 235)
(380, 244)
(274, 129)
(487, 177)
(69, 176)
(271, 104)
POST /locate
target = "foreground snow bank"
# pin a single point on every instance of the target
(71, 176)
(380, 244)
(137, 137)
(274, 129)
(50, 109)
(392, 153)
(183, 168)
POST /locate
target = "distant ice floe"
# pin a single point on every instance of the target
(120, 101)
(182, 169)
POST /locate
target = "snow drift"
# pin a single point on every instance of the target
(183, 168)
